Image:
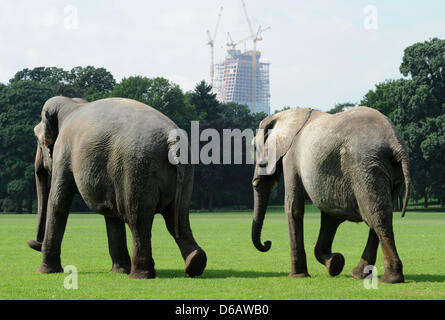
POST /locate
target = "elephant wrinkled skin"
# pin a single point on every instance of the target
(114, 153)
(352, 165)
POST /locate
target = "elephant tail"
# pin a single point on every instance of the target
(174, 146)
(405, 170)
(180, 173)
(400, 155)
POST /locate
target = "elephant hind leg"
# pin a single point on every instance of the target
(368, 258)
(117, 245)
(334, 262)
(376, 209)
(142, 263)
(393, 265)
(194, 257)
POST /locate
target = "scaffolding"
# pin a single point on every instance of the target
(234, 80)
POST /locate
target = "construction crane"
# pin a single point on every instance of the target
(233, 44)
(211, 42)
(255, 37)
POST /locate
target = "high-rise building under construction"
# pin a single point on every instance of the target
(234, 80)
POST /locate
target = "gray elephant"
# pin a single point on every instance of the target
(352, 165)
(115, 154)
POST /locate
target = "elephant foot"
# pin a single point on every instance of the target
(118, 268)
(45, 268)
(392, 278)
(335, 264)
(35, 245)
(195, 263)
(359, 271)
(142, 274)
(299, 275)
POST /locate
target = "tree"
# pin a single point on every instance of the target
(205, 102)
(340, 107)
(426, 62)
(417, 107)
(20, 105)
(219, 184)
(222, 185)
(92, 83)
(433, 151)
(88, 82)
(48, 76)
(160, 94)
(55, 78)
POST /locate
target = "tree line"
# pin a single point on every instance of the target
(22, 99)
(415, 103)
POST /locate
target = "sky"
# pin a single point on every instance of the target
(322, 52)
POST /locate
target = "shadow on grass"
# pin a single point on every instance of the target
(248, 274)
(424, 278)
(208, 274)
(221, 274)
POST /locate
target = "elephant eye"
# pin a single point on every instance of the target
(51, 148)
(268, 129)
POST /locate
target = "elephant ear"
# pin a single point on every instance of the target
(50, 128)
(276, 134)
(43, 154)
(38, 132)
(50, 121)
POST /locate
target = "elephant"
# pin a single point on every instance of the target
(352, 166)
(114, 153)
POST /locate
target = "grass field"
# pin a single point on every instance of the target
(235, 269)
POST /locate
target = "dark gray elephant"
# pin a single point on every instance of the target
(352, 165)
(114, 153)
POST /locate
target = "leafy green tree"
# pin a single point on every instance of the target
(241, 114)
(160, 94)
(219, 184)
(426, 62)
(20, 106)
(416, 105)
(55, 78)
(46, 75)
(340, 107)
(92, 83)
(223, 185)
(88, 82)
(205, 102)
(433, 151)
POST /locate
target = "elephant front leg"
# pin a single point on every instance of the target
(294, 207)
(334, 262)
(368, 258)
(57, 215)
(117, 245)
(142, 263)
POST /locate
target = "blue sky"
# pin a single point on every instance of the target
(320, 51)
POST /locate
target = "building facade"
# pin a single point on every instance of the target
(234, 80)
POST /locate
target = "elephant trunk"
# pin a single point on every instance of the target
(43, 187)
(261, 199)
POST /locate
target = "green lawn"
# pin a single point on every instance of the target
(235, 269)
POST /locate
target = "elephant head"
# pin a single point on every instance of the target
(274, 139)
(46, 133)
